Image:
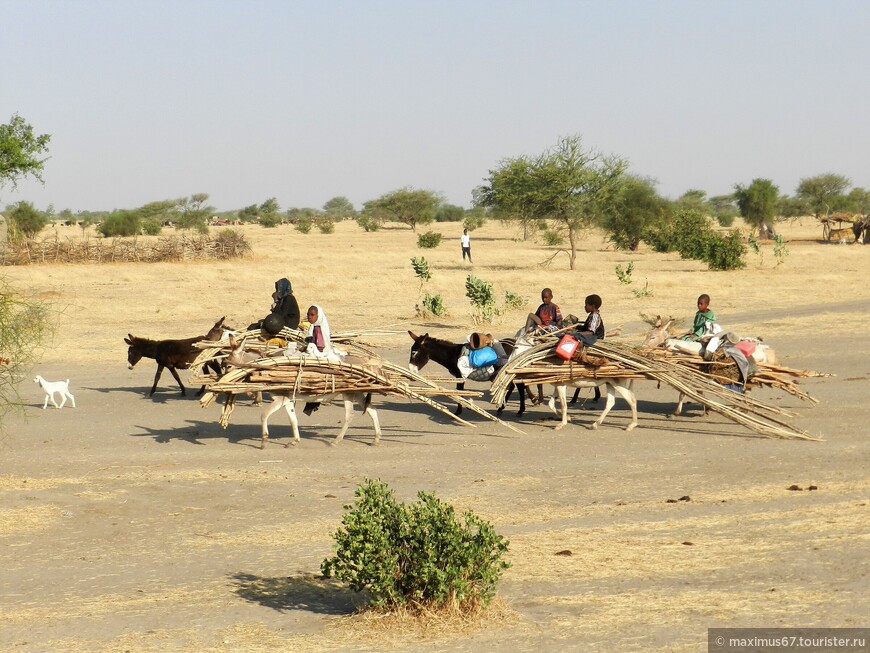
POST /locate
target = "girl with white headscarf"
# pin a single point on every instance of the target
(318, 335)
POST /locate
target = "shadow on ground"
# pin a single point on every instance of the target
(305, 592)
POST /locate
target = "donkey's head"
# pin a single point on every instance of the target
(217, 331)
(657, 335)
(134, 350)
(419, 352)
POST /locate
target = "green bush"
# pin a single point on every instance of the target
(152, 226)
(513, 301)
(326, 225)
(482, 297)
(552, 238)
(434, 304)
(26, 220)
(303, 224)
(120, 223)
(725, 252)
(369, 222)
(429, 240)
(418, 555)
(270, 220)
(473, 221)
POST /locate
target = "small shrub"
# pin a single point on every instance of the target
(419, 555)
(552, 238)
(473, 221)
(624, 276)
(232, 243)
(642, 292)
(429, 240)
(303, 224)
(434, 305)
(26, 221)
(326, 225)
(482, 298)
(513, 301)
(152, 226)
(780, 251)
(369, 223)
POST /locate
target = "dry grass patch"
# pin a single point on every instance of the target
(16, 521)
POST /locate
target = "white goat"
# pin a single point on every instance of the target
(239, 358)
(55, 387)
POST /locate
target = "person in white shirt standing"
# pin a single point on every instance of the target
(466, 245)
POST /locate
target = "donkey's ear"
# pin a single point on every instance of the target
(129, 339)
(220, 322)
(413, 337)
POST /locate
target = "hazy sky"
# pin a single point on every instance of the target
(303, 101)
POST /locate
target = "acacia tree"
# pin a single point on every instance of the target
(339, 207)
(636, 208)
(757, 203)
(568, 185)
(20, 150)
(193, 212)
(822, 191)
(407, 205)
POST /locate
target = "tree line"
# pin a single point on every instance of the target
(558, 194)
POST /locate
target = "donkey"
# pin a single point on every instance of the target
(171, 354)
(239, 358)
(446, 353)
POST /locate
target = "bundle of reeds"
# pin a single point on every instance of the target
(281, 369)
(614, 360)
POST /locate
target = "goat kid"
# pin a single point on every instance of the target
(52, 388)
(238, 357)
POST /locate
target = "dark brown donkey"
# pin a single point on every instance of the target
(171, 354)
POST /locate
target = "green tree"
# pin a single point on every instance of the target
(407, 205)
(635, 209)
(449, 213)
(193, 212)
(339, 208)
(26, 220)
(792, 207)
(161, 211)
(757, 203)
(249, 213)
(858, 201)
(121, 223)
(822, 191)
(568, 185)
(20, 151)
(723, 209)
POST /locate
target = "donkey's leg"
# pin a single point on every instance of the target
(178, 379)
(627, 393)
(562, 392)
(290, 406)
(276, 405)
(367, 405)
(348, 418)
(156, 379)
(459, 386)
(507, 397)
(521, 390)
(611, 399)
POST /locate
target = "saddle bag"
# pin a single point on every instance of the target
(482, 357)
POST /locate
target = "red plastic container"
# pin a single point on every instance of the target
(567, 346)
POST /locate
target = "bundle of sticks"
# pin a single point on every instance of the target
(283, 369)
(614, 360)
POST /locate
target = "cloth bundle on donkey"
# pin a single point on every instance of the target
(480, 357)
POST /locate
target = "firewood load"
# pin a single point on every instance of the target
(281, 369)
(614, 360)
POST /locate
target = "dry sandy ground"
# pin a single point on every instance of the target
(137, 524)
